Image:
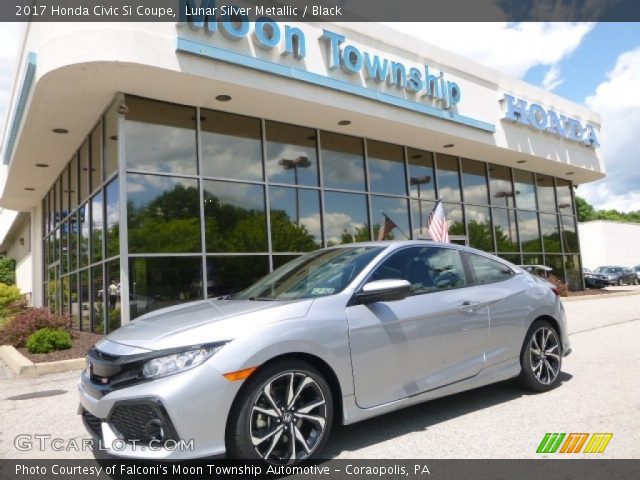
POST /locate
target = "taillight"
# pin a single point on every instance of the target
(556, 290)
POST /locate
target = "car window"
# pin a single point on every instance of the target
(486, 270)
(427, 269)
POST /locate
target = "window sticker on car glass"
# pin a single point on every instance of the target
(322, 291)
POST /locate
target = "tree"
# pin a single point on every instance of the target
(587, 212)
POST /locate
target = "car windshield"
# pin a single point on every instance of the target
(317, 274)
(610, 270)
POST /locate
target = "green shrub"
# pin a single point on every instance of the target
(27, 322)
(8, 295)
(47, 340)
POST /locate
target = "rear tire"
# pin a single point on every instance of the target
(541, 357)
(283, 414)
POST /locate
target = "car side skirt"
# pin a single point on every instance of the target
(496, 373)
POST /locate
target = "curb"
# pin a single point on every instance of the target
(596, 297)
(23, 367)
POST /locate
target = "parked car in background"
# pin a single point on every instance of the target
(617, 275)
(637, 270)
(333, 337)
(594, 280)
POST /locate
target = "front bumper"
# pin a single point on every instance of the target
(190, 408)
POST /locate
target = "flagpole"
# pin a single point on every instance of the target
(405, 235)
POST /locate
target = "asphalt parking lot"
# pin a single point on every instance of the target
(600, 392)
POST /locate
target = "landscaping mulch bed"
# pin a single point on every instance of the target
(82, 342)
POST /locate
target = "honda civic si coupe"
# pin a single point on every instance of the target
(338, 335)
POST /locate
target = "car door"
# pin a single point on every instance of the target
(434, 337)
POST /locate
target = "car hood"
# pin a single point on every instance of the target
(204, 322)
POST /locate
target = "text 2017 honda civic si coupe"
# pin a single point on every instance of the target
(337, 335)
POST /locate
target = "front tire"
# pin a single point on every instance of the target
(541, 358)
(283, 414)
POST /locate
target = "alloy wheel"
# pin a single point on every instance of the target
(288, 418)
(545, 355)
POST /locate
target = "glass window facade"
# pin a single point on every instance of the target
(204, 202)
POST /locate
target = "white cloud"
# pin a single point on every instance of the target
(510, 48)
(10, 38)
(617, 99)
(552, 78)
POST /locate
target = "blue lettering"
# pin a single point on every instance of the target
(431, 84)
(556, 124)
(538, 116)
(295, 42)
(454, 94)
(398, 75)
(415, 80)
(516, 111)
(334, 47)
(267, 33)
(574, 130)
(373, 68)
(351, 59)
(590, 139)
(236, 28)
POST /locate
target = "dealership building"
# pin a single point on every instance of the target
(158, 163)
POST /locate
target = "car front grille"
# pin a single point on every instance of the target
(93, 423)
(142, 422)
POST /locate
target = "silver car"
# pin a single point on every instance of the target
(336, 336)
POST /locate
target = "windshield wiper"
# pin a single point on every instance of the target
(263, 299)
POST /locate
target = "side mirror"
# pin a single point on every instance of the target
(383, 291)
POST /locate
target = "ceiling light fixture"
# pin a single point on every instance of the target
(60, 130)
(344, 122)
(223, 98)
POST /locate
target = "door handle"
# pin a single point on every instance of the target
(469, 306)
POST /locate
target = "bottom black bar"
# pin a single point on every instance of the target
(340, 469)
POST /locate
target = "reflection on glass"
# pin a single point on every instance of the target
(546, 193)
(555, 262)
(396, 209)
(479, 226)
(573, 272)
(160, 137)
(345, 218)
(73, 242)
(280, 260)
(112, 222)
(110, 151)
(565, 200)
(342, 161)
(291, 154)
(235, 218)
(502, 192)
(474, 179)
(98, 297)
(525, 186)
(550, 233)
(163, 214)
(229, 274)
(231, 146)
(505, 230)
(83, 184)
(96, 157)
(386, 168)
(73, 183)
(420, 211)
(53, 290)
(65, 296)
(421, 178)
(64, 250)
(84, 303)
(455, 219)
(535, 259)
(569, 235)
(161, 282)
(97, 227)
(529, 231)
(74, 306)
(113, 300)
(64, 185)
(84, 227)
(295, 219)
(448, 177)
(513, 258)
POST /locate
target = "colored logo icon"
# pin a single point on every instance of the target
(574, 442)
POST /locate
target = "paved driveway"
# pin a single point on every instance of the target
(600, 393)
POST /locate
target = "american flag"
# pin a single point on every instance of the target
(386, 228)
(437, 224)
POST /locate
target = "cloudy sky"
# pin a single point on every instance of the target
(594, 64)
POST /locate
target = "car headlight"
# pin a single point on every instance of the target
(179, 362)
